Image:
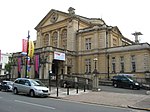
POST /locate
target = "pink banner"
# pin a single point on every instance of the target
(19, 64)
(24, 45)
(37, 63)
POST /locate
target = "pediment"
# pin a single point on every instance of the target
(116, 29)
(52, 17)
(55, 16)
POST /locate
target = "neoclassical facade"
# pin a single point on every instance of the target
(88, 44)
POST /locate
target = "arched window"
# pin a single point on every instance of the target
(54, 39)
(46, 40)
(64, 39)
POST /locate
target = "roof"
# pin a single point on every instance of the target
(130, 47)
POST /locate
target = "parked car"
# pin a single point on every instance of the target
(32, 87)
(6, 85)
(125, 81)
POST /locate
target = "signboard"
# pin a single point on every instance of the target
(59, 56)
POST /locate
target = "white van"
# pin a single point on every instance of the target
(33, 87)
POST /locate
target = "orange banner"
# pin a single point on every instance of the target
(31, 49)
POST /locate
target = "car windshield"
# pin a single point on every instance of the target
(130, 79)
(9, 83)
(36, 83)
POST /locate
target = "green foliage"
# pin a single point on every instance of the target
(8, 66)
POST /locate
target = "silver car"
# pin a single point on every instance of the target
(6, 85)
(33, 87)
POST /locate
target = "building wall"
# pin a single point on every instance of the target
(104, 40)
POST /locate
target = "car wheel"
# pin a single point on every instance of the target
(6, 90)
(15, 91)
(131, 87)
(32, 94)
(115, 85)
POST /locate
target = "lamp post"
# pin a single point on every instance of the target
(95, 81)
(27, 55)
(107, 54)
(50, 74)
(95, 60)
(108, 67)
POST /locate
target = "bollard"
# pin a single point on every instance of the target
(84, 88)
(77, 90)
(57, 91)
(67, 90)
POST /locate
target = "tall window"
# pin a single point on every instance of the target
(64, 39)
(122, 64)
(87, 65)
(113, 65)
(54, 39)
(88, 43)
(146, 62)
(114, 42)
(46, 40)
(133, 64)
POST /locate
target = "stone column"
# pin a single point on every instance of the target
(66, 66)
(40, 71)
(50, 61)
(58, 40)
(96, 39)
(49, 39)
(46, 71)
(95, 82)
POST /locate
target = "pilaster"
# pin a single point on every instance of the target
(58, 40)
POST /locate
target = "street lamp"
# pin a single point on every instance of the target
(95, 69)
(26, 72)
(95, 81)
(108, 67)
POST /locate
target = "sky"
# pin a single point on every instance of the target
(17, 17)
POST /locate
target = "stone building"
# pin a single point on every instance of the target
(87, 46)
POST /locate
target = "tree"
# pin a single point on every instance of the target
(8, 66)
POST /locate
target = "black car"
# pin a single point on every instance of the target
(6, 85)
(125, 81)
(67, 83)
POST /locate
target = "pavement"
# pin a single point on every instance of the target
(123, 100)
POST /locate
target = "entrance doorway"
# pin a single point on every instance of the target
(55, 67)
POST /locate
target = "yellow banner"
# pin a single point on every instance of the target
(31, 49)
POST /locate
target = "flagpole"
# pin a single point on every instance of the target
(27, 55)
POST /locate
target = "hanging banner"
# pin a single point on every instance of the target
(37, 64)
(24, 46)
(19, 64)
(31, 49)
(59, 56)
(28, 63)
(28, 66)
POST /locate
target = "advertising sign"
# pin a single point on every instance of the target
(59, 56)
